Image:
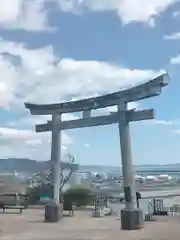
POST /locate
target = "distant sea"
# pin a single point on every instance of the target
(118, 170)
(101, 169)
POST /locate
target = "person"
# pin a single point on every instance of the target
(138, 196)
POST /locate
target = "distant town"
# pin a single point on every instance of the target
(17, 175)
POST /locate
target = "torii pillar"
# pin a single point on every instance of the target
(131, 216)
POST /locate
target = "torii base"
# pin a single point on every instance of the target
(53, 212)
(131, 219)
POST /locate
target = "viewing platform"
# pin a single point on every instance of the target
(30, 226)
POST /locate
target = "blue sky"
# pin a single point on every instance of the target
(52, 51)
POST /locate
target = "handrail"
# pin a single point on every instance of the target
(161, 196)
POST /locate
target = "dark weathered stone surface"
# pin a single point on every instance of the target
(131, 219)
(53, 212)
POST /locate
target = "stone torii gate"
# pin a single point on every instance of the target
(131, 217)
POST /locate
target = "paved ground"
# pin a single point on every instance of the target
(30, 226)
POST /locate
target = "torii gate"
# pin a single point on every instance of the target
(131, 217)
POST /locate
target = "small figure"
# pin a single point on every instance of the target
(138, 196)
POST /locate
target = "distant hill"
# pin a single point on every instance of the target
(26, 165)
(30, 166)
(117, 170)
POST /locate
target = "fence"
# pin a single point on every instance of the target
(100, 202)
(159, 206)
(162, 204)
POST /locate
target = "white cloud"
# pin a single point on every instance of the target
(14, 134)
(9, 11)
(24, 143)
(177, 131)
(31, 121)
(165, 123)
(11, 124)
(86, 145)
(131, 105)
(174, 36)
(32, 15)
(141, 10)
(38, 75)
(128, 10)
(175, 60)
(108, 110)
(34, 142)
(28, 15)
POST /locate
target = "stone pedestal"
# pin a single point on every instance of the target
(98, 213)
(131, 219)
(53, 212)
(148, 217)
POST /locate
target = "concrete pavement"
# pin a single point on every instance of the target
(30, 226)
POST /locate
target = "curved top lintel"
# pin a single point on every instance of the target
(145, 90)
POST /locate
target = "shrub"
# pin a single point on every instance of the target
(80, 195)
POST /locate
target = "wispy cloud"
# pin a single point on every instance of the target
(24, 14)
(86, 145)
(176, 14)
(164, 122)
(177, 131)
(128, 11)
(175, 60)
(174, 36)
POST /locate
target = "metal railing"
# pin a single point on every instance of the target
(151, 205)
(160, 206)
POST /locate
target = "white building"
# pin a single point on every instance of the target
(75, 179)
(151, 179)
(139, 178)
(164, 178)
